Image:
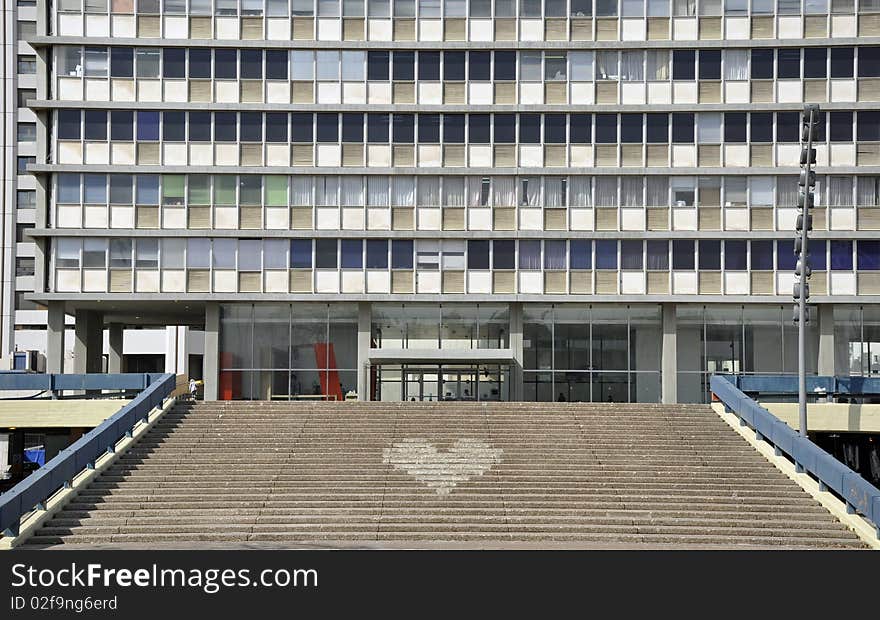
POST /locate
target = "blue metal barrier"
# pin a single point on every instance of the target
(36, 489)
(861, 497)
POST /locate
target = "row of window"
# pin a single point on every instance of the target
(458, 191)
(499, 254)
(560, 128)
(476, 66)
(470, 8)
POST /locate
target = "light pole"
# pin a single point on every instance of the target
(806, 184)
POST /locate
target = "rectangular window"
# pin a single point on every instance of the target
(68, 127)
(300, 254)
(683, 64)
(377, 66)
(121, 125)
(554, 255)
(842, 62)
(762, 64)
(815, 62)
(478, 254)
(683, 255)
(429, 66)
(505, 66)
(27, 132)
(453, 66)
(147, 63)
(735, 255)
(581, 254)
(121, 62)
(606, 254)
(785, 256)
(401, 254)
(631, 255)
(503, 253)
(710, 254)
(762, 256)
(352, 253)
(403, 66)
(147, 254)
(94, 254)
(25, 199)
(658, 255)
(67, 253)
(377, 254)
(325, 254)
(530, 255)
(710, 64)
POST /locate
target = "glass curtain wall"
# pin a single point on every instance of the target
(857, 340)
(440, 326)
(582, 353)
(288, 351)
(737, 339)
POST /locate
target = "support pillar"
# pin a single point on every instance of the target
(176, 350)
(55, 338)
(88, 346)
(669, 357)
(826, 363)
(363, 349)
(516, 349)
(114, 357)
(212, 351)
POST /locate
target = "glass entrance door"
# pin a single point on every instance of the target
(448, 382)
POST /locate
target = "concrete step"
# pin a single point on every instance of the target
(291, 473)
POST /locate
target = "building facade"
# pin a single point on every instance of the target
(557, 200)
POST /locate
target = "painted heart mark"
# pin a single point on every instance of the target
(442, 470)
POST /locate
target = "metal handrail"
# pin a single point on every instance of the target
(34, 491)
(861, 496)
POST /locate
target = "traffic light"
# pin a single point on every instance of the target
(805, 202)
(810, 129)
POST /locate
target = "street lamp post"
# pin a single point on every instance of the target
(806, 183)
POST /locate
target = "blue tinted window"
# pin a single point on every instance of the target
(841, 255)
(505, 128)
(200, 126)
(453, 128)
(147, 189)
(401, 254)
(377, 254)
(478, 254)
(710, 254)
(68, 188)
(403, 128)
(503, 252)
(378, 127)
(735, 255)
(301, 253)
(818, 258)
(581, 128)
(352, 254)
(868, 255)
(121, 125)
(606, 254)
(683, 254)
(580, 254)
(276, 127)
(429, 66)
(762, 255)
(225, 126)
(147, 125)
(785, 257)
(328, 128)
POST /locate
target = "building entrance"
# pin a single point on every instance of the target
(434, 382)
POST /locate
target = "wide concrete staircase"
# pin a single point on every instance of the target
(585, 475)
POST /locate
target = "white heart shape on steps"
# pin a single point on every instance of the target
(442, 470)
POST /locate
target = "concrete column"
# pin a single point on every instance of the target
(363, 349)
(212, 351)
(669, 357)
(55, 338)
(114, 358)
(516, 349)
(88, 346)
(826, 365)
(183, 350)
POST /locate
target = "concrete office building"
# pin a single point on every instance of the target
(23, 321)
(465, 199)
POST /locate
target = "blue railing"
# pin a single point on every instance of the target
(775, 385)
(861, 497)
(33, 492)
